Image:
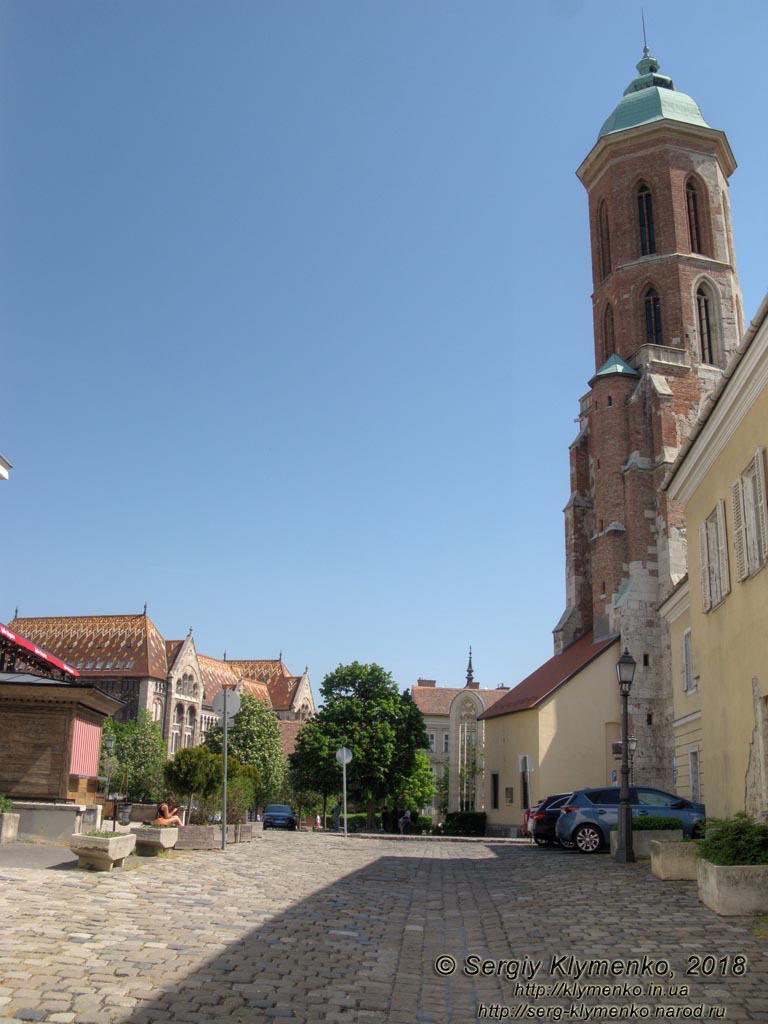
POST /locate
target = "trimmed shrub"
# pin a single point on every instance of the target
(652, 824)
(734, 841)
(6, 804)
(465, 823)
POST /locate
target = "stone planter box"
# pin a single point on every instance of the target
(102, 853)
(151, 841)
(9, 827)
(208, 837)
(731, 890)
(642, 839)
(676, 861)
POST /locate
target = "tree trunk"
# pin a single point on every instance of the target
(371, 815)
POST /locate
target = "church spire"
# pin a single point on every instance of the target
(470, 684)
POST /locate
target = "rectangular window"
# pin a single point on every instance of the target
(431, 737)
(495, 791)
(750, 518)
(689, 683)
(713, 550)
(695, 773)
(509, 794)
(445, 743)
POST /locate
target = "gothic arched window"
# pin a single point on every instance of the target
(693, 204)
(605, 240)
(645, 220)
(653, 332)
(706, 320)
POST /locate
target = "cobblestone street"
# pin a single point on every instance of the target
(310, 927)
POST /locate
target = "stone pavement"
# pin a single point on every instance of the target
(311, 927)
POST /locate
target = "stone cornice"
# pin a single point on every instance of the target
(610, 146)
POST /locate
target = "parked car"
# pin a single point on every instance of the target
(588, 814)
(280, 816)
(543, 821)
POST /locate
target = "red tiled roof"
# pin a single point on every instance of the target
(282, 685)
(172, 648)
(549, 676)
(217, 673)
(437, 700)
(100, 645)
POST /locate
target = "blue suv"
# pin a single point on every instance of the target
(587, 815)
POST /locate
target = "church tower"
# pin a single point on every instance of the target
(667, 315)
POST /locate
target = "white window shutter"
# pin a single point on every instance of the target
(762, 505)
(722, 539)
(739, 530)
(706, 598)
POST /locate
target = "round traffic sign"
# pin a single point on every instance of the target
(344, 755)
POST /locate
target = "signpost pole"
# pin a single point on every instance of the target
(224, 801)
(344, 756)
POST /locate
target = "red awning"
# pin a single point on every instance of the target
(37, 652)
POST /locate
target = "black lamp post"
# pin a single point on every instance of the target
(632, 744)
(625, 670)
(109, 744)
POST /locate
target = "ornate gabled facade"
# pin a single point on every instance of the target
(291, 696)
(126, 656)
(456, 736)
(667, 315)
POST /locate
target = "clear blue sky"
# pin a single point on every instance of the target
(296, 309)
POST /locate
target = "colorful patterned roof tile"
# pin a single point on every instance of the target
(100, 645)
(217, 674)
(282, 685)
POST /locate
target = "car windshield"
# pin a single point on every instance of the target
(278, 809)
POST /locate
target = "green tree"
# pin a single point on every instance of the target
(138, 758)
(194, 771)
(418, 789)
(364, 710)
(312, 765)
(254, 739)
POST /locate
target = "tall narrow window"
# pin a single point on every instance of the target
(653, 332)
(694, 223)
(609, 339)
(645, 216)
(704, 317)
(713, 549)
(750, 518)
(605, 241)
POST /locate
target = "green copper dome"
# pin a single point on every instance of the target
(615, 365)
(651, 97)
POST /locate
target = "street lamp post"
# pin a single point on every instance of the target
(625, 670)
(109, 745)
(632, 744)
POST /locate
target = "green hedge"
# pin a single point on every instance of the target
(6, 804)
(650, 823)
(734, 841)
(464, 823)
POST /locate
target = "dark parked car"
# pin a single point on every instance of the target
(280, 816)
(543, 821)
(587, 816)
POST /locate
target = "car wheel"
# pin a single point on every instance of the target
(567, 844)
(587, 839)
(540, 841)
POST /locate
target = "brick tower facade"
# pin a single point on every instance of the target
(667, 314)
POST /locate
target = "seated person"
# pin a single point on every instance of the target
(167, 813)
